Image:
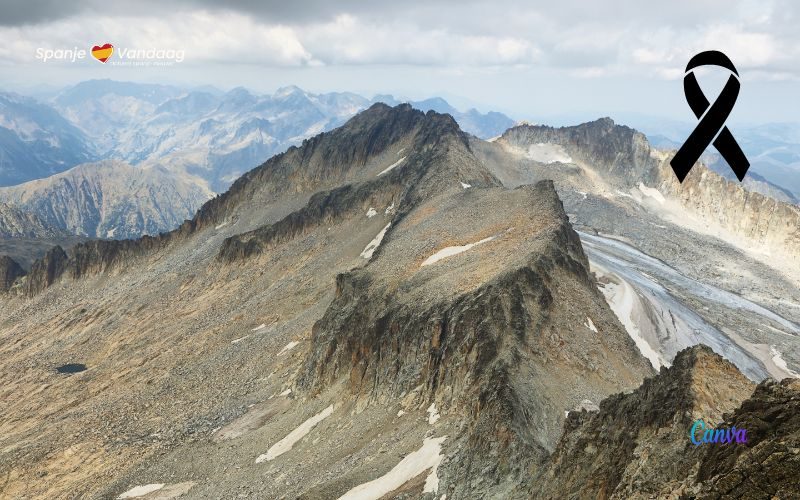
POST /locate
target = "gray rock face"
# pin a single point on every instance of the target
(46, 271)
(10, 271)
(765, 222)
(622, 151)
(505, 354)
(623, 158)
(19, 223)
(328, 159)
(110, 199)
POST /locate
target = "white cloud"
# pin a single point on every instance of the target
(205, 36)
(584, 39)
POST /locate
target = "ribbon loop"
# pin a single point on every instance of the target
(712, 119)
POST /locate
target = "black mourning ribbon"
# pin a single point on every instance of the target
(712, 119)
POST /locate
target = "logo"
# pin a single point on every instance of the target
(102, 53)
(700, 434)
(123, 56)
(711, 126)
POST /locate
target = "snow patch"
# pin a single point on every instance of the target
(583, 193)
(371, 213)
(398, 162)
(624, 195)
(293, 437)
(414, 464)
(620, 299)
(140, 491)
(590, 325)
(401, 413)
(433, 414)
(548, 153)
(375, 243)
(652, 193)
(465, 185)
(285, 393)
(389, 209)
(236, 341)
(450, 251)
(777, 358)
(288, 347)
(259, 327)
(220, 226)
(110, 233)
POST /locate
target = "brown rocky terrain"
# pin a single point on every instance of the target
(215, 341)
(637, 445)
(372, 314)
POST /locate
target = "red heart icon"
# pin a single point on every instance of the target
(102, 53)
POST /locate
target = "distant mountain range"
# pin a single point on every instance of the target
(165, 142)
(109, 199)
(209, 134)
(36, 141)
(148, 156)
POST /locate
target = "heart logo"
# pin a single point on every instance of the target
(102, 53)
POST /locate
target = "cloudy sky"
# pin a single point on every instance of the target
(534, 60)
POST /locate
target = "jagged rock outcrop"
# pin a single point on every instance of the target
(47, 270)
(638, 445)
(620, 150)
(617, 165)
(769, 466)
(9, 272)
(438, 154)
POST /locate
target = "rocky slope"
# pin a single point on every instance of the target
(369, 310)
(19, 223)
(110, 199)
(723, 207)
(286, 182)
(637, 445)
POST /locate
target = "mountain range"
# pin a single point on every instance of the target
(193, 143)
(36, 141)
(398, 309)
(109, 199)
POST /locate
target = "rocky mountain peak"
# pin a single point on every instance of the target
(47, 270)
(639, 441)
(619, 151)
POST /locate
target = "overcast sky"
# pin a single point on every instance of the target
(533, 60)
